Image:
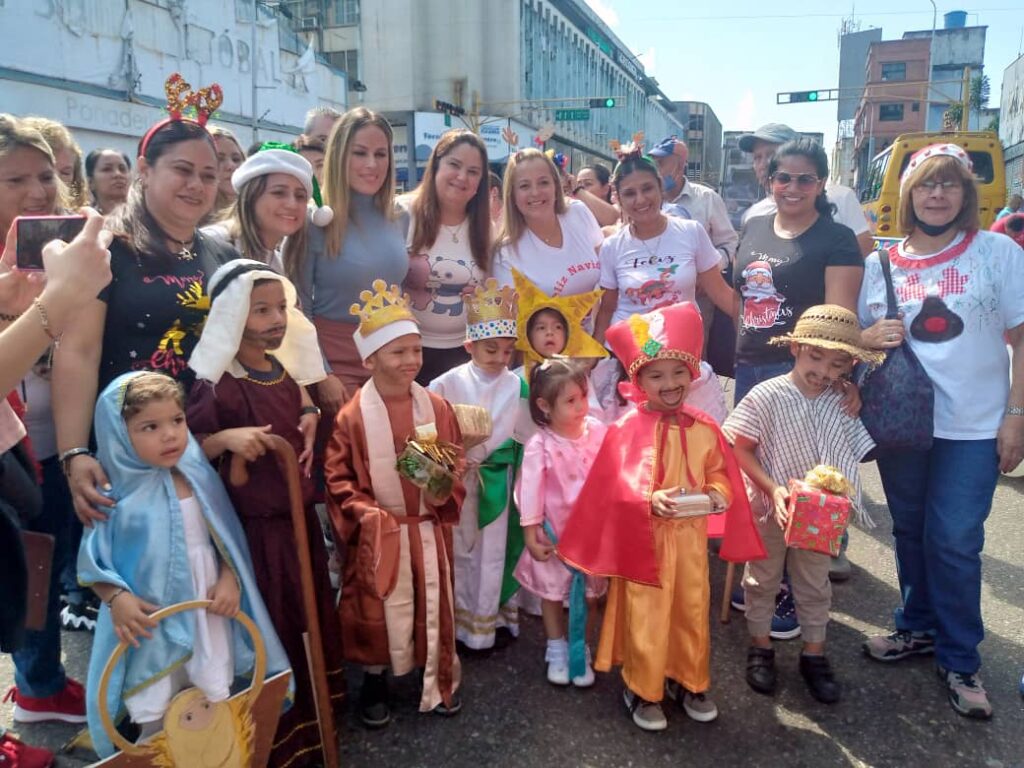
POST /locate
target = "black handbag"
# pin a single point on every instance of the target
(898, 399)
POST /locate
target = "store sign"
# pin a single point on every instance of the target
(430, 126)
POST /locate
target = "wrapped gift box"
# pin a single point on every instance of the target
(428, 466)
(693, 505)
(474, 424)
(817, 519)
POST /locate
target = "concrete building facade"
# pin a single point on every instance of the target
(105, 65)
(703, 137)
(1011, 125)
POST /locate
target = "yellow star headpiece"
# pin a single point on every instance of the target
(574, 309)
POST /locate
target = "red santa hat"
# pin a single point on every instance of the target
(669, 333)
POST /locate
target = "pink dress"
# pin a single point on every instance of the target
(550, 479)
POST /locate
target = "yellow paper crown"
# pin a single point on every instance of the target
(573, 308)
(383, 306)
(490, 303)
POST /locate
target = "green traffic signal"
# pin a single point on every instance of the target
(605, 103)
(812, 96)
(609, 103)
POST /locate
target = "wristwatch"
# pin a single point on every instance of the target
(1015, 410)
(310, 409)
(65, 458)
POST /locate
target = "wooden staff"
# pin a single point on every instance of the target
(730, 576)
(289, 465)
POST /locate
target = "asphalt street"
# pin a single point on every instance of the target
(890, 715)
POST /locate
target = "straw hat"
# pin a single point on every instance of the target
(830, 327)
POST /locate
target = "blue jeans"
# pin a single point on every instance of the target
(748, 376)
(939, 500)
(38, 671)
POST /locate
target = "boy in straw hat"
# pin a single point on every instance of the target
(397, 606)
(256, 354)
(488, 535)
(783, 428)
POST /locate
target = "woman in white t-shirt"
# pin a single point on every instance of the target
(656, 260)
(960, 295)
(448, 241)
(551, 240)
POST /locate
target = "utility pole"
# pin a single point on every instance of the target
(252, 66)
(965, 112)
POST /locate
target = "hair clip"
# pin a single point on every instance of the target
(559, 159)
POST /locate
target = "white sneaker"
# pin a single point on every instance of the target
(557, 657)
(646, 714)
(587, 678)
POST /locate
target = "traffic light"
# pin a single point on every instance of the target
(606, 103)
(803, 96)
(448, 109)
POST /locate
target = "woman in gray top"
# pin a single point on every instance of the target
(362, 243)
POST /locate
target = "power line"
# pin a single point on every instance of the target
(742, 17)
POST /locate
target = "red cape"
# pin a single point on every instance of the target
(610, 533)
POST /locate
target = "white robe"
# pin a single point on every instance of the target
(480, 552)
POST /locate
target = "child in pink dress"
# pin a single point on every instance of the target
(555, 464)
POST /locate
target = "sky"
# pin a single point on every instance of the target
(737, 55)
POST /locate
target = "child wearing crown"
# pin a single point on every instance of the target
(397, 602)
(642, 518)
(488, 534)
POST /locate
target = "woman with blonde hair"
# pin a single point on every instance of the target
(960, 298)
(551, 240)
(67, 158)
(229, 157)
(449, 244)
(361, 244)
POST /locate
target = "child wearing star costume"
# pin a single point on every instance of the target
(397, 606)
(626, 524)
(488, 533)
(172, 537)
(252, 363)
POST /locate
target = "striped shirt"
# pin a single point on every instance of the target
(795, 433)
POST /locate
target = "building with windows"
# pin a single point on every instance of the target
(105, 65)
(703, 137)
(1011, 125)
(522, 67)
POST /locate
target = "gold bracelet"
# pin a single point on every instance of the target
(44, 319)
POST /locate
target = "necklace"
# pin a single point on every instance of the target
(657, 244)
(547, 240)
(186, 253)
(454, 231)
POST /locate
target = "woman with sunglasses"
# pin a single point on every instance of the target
(960, 293)
(790, 260)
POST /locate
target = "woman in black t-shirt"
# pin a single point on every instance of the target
(152, 313)
(789, 261)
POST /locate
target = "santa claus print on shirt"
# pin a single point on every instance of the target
(762, 304)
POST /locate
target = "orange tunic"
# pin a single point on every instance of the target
(663, 632)
(350, 497)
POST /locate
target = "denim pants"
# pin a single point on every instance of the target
(749, 376)
(939, 500)
(38, 671)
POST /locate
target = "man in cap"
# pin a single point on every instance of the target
(689, 200)
(762, 144)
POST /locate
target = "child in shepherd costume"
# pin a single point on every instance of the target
(628, 522)
(488, 535)
(255, 357)
(172, 537)
(397, 604)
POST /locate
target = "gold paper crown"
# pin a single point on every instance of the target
(382, 307)
(489, 302)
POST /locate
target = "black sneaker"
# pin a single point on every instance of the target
(761, 674)
(449, 710)
(817, 673)
(374, 710)
(79, 617)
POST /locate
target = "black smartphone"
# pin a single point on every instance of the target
(34, 232)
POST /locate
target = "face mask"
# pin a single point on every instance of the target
(669, 183)
(934, 230)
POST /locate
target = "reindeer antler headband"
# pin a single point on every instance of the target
(180, 99)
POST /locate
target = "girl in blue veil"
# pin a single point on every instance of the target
(171, 537)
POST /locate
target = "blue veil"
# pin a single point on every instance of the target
(141, 547)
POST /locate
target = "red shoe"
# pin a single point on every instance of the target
(17, 754)
(67, 705)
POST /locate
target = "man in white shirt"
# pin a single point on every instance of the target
(689, 200)
(762, 144)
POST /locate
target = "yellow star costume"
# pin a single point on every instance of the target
(574, 309)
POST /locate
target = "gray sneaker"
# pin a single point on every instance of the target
(899, 645)
(966, 694)
(646, 714)
(698, 706)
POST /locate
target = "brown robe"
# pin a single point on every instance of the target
(350, 496)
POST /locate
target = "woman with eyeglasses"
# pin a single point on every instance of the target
(790, 260)
(960, 293)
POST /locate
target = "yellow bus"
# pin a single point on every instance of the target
(880, 187)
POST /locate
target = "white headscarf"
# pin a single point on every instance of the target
(215, 353)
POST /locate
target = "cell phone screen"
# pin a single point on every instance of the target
(34, 232)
